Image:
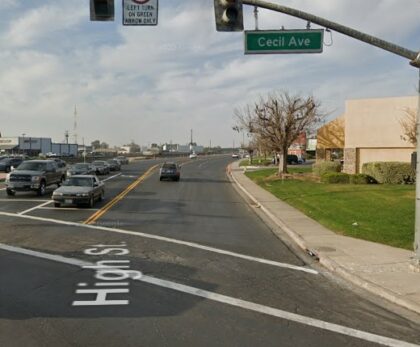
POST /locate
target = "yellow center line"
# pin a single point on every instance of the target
(98, 214)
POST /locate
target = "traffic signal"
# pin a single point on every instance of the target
(229, 15)
(102, 10)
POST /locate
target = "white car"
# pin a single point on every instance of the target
(193, 156)
(234, 155)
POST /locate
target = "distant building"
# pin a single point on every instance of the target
(298, 147)
(311, 145)
(36, 145)
(105, 151)
(176, 148)
(131, 148)
(151, 152)
(170, 147)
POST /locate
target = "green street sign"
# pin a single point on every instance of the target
(284, 41)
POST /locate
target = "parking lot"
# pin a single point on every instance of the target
(29, 203)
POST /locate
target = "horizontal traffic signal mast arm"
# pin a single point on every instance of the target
(358, 35)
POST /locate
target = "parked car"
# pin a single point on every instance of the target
(61, 166)
(114, 165)
(170, 171)
(123, 160)
(301, 160)
(7, 163)
(81, 169)
(79, 190)
(67, 155)
(101, 167)
(33, 175)
(193, 155)
(292, 159)
(235, 155)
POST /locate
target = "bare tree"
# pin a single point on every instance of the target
(262, 145)
(279, 119)
(408, 125)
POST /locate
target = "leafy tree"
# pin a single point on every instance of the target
(95, 144)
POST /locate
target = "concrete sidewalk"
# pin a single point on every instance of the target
(383, 270)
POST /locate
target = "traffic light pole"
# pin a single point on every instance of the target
(414, 58)
(417, 213)
(358, 35)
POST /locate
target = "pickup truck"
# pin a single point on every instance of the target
(34, 175)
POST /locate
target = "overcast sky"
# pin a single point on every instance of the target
(154, 84)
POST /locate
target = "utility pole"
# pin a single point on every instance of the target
(84, 150)
(414, 58)
(75, 125)
(191, 142)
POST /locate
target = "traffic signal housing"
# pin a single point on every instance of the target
(102, 10)
(229, 15)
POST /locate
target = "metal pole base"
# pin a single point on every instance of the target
(415, 265)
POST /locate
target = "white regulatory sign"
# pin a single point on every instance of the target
(140, 12)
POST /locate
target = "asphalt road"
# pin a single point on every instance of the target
(186, 263)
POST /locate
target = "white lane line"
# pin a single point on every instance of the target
(271, 311)
(53, 257)
(68, 209)
(246, 305)
(169, 240)
(203, 163)
(111, 177)
(22, 200)
(34, 208)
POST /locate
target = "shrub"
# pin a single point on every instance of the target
(335, 177)
(390, 172)
(326, 166)
(361, 179)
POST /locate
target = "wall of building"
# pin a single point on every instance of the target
(375, 123)
(64, 148)
(35, 144)
(373, 131)
(298, 147)
(9, 143)
(366, 155)
(332, 134)
(329, 137)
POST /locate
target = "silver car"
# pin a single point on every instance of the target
(81, 169)
(79, 190)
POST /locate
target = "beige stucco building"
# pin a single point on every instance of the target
(369, 130)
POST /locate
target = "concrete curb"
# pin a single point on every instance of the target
(296, 238)
(326, 261)
(388, 295)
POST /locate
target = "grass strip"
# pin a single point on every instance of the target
(378, 213)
